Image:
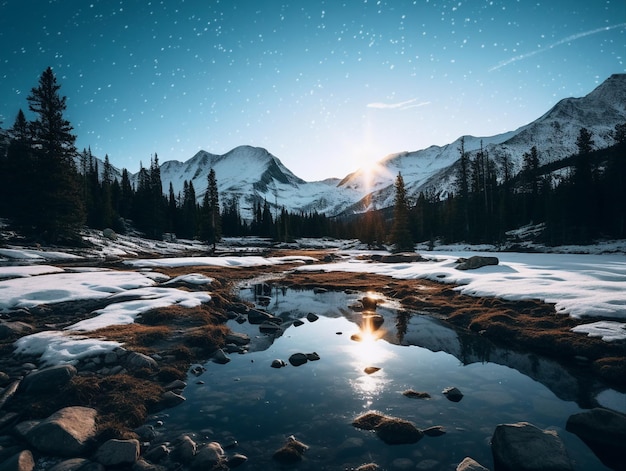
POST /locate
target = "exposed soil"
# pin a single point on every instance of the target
(182, 337)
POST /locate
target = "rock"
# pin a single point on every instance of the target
(291, 452)
(475, 262)
(395, 431)
(468, 464)
(312, 356)
(185, 449)
(176, 384)
(416, 394)
(453, 394)
(371, 369)
(118, 452)
(109, 234)
(602, 430)
(22, 461)
(220, 357)
(237, 338)
(368, 421)
(157, 453)
(53, 377)
(256, 316)
(524, 447)
(269, 328)
(599, 425)
(67, 432)
(137, 360)
(4, 379)
(311, 317)
(73, 464)
(402, 257)
(143, 465)
(8, 393)
(298, 359)
(320, 290)
(435, 431)
(171, 399)
(208, 456)
(368, 467)
(236, 460)
(14, 329)
(297, 323)
(278, 363)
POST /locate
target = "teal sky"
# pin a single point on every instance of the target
(326, 86)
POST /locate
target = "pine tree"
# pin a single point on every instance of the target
(60, 209)
(401, 237)
(211, 220)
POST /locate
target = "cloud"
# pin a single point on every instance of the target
(404, 105)
(568, 39)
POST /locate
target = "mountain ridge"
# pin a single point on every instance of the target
(252, 174)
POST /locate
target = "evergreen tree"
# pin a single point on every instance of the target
(401, 237)
(462, 190)
(211, 220)
(19, 194)
(60, 209)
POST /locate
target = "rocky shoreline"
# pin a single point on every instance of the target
(91, 416)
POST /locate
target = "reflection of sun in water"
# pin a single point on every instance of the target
(368, 350)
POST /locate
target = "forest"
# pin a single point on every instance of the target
(50, 191)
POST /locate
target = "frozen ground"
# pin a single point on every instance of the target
(582, 285)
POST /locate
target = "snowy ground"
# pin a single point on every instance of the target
(581, 285)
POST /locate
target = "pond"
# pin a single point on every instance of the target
(258, 407)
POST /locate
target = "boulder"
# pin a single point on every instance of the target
(73, 464)
(109, 234)
(236, 460)
(14, 329)
(312, 317)
(602, 430)
(137, 360)
(22, 461)
(67, 432)
(237, 338)
(185, 449)
(395, 431)
(475, 262)
(46, 379)
(8, 392)
(256, 316)
(208, 456)
(220, 357)
(599, 425)
(435, 431)
(298, 359)
(468, 464)
(368, 467)
(524, 447)
(278, 363)
(118, 452)
(401, 257)
(369, 303)
(453, 394)
(371, 369)
(291, 452)
(171, 399)
(416, 394)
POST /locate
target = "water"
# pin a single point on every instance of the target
(258, 406)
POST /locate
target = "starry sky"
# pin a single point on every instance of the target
(326, 86)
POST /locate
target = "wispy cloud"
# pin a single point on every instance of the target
(568, 39)
(404, 105)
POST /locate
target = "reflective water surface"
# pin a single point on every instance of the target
(248, 402)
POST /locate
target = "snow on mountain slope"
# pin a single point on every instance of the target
(253, 174)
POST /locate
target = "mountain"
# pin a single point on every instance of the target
(253, 174)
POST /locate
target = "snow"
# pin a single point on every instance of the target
(250, 261)
(581, 285)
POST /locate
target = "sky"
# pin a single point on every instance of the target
(328, 87)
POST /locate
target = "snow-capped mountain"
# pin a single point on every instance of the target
(251, 173)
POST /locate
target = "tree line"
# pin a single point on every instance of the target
(51, 191)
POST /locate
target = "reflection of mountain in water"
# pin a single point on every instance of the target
(404, 328)
(433, 334)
